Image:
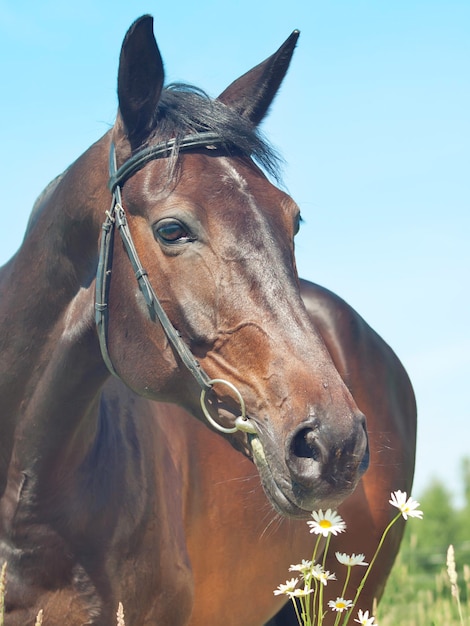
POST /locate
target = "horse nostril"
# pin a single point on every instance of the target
(305, 444)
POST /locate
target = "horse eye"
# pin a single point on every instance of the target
(298, 221)
(172, 231)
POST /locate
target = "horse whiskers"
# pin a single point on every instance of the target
(238, 479)
(277, 519)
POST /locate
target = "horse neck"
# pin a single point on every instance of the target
(50, 356)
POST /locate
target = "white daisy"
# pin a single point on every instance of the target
(351, 560)
(322, 575)
(304, 567)
(328, 523)
(340, 604)
(406, 505)
(365, 620)
(287, 589)
(297, 593)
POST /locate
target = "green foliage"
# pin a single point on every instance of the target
(419, 592)
(443, 524)
(462, 537)
(417, 598)
(438, 531)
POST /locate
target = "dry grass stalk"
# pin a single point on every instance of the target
(120, 615)
(466, 577)
(452, 572)
(3, 577)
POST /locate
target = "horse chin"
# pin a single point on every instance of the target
(281, 502)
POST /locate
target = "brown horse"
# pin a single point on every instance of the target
(108, 496)
(251, 549)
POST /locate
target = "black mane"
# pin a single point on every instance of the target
(184, 110)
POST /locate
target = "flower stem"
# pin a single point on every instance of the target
(315, 549)
(366, 575)
(325, 551)
(310, 619)
(346, 582)
(296, 608)
(343, 593)
(320, 595)
(315, 601)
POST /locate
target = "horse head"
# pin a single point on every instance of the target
(216, 239)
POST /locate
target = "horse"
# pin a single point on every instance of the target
(175, 401)
(256, 548)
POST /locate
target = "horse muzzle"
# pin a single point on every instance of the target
(320, 468)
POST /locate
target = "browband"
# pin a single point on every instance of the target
(164, 149)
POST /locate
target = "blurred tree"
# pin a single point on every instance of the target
(421, 565)
(462, 538)
(438, 529)
(466, 480)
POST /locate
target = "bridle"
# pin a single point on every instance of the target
(116, 217)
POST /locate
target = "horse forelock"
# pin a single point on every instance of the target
(184, 109)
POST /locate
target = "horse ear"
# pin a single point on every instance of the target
(140, 79)
(252, 94)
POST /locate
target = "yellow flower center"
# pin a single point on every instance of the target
(340, 605)
(324, 523)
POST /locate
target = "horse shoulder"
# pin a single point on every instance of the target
(382, 390)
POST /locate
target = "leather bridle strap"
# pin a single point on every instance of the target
(165, 149)
(153, 303)
(116, 216)
(103, 275)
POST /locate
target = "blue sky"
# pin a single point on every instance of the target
(373, 124)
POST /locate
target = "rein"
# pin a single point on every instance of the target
(116, 217)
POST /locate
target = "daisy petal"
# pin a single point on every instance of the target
(340, 604)
(351, 560)
(407, 506)
(326, 523)
(322, 575)
(287, 589)
(364, 619)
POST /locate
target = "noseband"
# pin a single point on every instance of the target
(116, 217)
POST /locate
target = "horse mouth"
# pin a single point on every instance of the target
(275, 493)
(282, 493)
